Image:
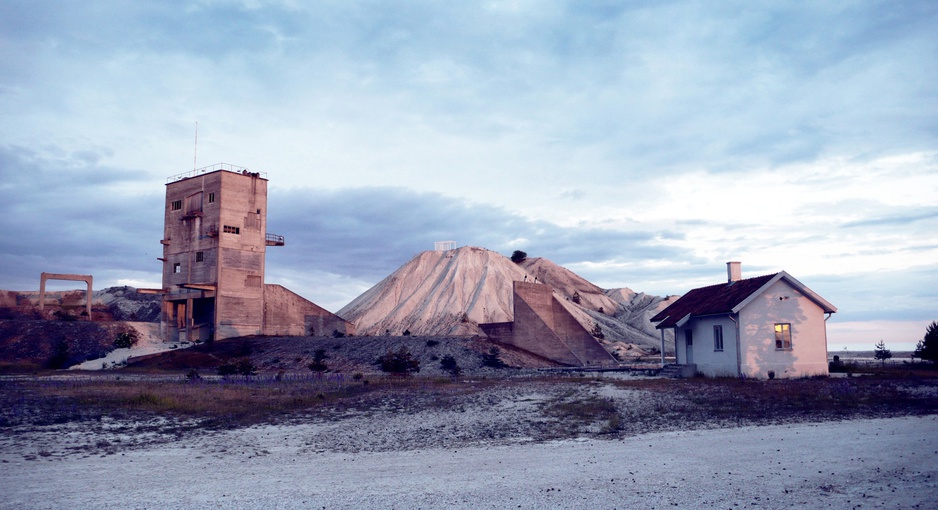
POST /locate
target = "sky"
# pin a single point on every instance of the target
(639, 144)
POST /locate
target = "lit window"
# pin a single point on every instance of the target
(783, 337)
(211, 198)
(199, 256)
(228, 229)
(177, 205)
(717, 338)
(177, 267)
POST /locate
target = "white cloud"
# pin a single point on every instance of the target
(642, 144)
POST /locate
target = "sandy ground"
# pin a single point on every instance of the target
(149, 342)
(874, 463)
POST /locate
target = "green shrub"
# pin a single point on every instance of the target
(243, 367)
(518, 256)
(493, 359)
(126, 339)
(449, 364)
(400, 362)
(319, 361)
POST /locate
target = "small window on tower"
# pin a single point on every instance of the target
(211, 198)
(177, 205)
(228, 229)
(199, 256)
(177, 267)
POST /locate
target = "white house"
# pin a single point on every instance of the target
(764, 327)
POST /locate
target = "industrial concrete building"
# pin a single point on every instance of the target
(544, 327)
(214, 245)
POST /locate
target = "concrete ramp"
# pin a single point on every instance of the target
(544, 327)
(286, 313)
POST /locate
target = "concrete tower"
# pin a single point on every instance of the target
(214, 243)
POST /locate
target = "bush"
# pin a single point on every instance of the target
(493, 359)
(449, 364)
(62, 315)
(400, 362)
(244, 367)
(60, 355)
(597, 331)
(518, 256)
(432, 343)
(406, 332)
(337, 334)
(126, 339)
(319, 361)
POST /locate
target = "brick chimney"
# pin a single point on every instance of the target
(734, 272)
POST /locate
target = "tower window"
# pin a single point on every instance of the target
(177, 267)
(228, 229)
(211, 198)
(176, 205)
(199, 256)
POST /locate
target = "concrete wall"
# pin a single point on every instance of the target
(544, 327)
(214, 236)
(782, 303)
(289, 314)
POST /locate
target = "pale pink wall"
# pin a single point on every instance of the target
(781, 303)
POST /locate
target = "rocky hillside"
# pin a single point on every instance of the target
(451, 292)
(110, 304)
(59, 336)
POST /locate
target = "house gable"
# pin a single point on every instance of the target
(747, 312)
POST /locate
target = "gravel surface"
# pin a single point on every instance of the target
(590, 443)
(876, 463)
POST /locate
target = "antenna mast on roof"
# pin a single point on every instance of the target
(195, 153)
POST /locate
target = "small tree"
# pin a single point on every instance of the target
(576, 297)
(493, 359)
(319, 361)
(927, 348)
(518, 256)
(882, 353)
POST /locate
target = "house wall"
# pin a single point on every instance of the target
(782, 303)
(709, 361)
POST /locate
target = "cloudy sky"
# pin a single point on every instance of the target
(639, 144)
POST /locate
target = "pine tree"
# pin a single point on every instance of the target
(882, 353)
(927, 348)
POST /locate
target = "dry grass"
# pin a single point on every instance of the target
(570, 405)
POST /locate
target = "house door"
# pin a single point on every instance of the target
(689, 346)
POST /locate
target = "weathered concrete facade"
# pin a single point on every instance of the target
(289, 314)
(544, 327)
(214, 246)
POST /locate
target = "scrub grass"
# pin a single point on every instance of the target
(568, 406)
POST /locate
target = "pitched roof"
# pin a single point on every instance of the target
(728, 298)
(711, 300)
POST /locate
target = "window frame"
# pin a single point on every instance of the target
(717, 338)
(177, 267)
(211, 197)
(200, 256)
(175, 205)
(229, 229)
(783, 336)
